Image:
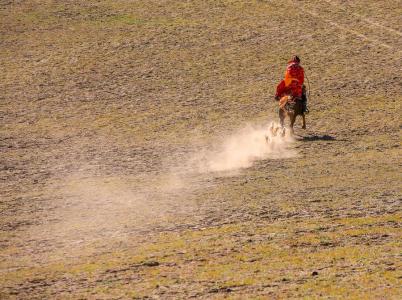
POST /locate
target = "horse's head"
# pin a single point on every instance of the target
(285, 100)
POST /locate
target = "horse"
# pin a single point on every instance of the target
(291, 107)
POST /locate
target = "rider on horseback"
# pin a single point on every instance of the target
(293, 83)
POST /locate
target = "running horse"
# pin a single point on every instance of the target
(291, 107)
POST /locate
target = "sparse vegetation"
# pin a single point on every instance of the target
(101, 104)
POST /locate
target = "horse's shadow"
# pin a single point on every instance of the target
(312, 138)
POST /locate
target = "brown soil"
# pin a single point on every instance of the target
(108, 107)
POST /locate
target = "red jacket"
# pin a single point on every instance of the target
(293, 82)
(294, 71)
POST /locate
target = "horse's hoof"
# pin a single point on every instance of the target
(304, 127)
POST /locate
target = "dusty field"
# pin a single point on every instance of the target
(130, 150)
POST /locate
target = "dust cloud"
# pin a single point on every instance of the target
(93, 207)
(244, 147)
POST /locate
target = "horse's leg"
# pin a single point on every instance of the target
(292, 122)
(282, 118)
(304, 121)
(273, 129)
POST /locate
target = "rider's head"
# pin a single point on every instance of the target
(295, 59)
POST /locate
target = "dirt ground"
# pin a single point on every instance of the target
(131, 162)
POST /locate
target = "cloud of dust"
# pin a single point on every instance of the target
(244, 147)
(95, 207)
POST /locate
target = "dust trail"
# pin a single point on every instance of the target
(98, 210)
(92, 208)
(242, 148)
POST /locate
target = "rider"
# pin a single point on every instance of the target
(292, 84)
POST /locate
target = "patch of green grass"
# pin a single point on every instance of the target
(221, 255)
(126, 19)
(135, 20)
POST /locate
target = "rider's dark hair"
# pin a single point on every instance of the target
(296, 58)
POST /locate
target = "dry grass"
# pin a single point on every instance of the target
(103, 102)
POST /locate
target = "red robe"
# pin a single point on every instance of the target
(293, 82)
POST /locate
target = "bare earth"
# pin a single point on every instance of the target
(129, 165)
